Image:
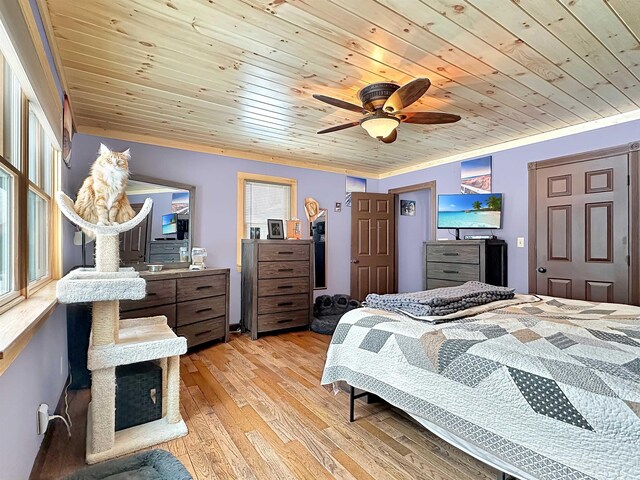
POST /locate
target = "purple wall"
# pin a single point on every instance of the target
(412, 233)
(510, 177)
(215, 179)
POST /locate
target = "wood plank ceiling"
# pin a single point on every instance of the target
(236, 76)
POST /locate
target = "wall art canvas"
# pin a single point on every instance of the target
(408, 208)
(354, 184)
(180, 202)
(475, 175)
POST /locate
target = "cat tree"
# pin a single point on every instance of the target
(117, 342)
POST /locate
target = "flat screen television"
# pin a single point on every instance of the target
(477, 210)
(169, 223)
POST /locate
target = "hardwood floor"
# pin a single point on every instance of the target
(255, 410)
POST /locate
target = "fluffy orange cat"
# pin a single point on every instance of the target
(101, 198)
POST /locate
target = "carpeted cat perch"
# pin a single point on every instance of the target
(117, 342)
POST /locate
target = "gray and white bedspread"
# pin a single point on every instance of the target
(551, 388)
(440, 301)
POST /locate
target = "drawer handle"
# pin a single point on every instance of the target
(449, 271)
(285, 304)
(285, 269)
(199, 334)
(451, 254)
(285, 321)
(151, 294)
(204, 310)
(284, 287)
(285, 253)
(202, 287)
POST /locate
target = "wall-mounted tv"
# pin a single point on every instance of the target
(481, 210)
(169, 223)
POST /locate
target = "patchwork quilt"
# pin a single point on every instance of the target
(551, 387)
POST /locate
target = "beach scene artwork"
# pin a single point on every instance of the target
(180, 202)
(469, 211)
(354, 184)
(475, 175)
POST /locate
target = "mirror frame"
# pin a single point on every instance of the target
(326, 248)
(192, 210)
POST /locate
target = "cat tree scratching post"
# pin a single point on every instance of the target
(114, 342)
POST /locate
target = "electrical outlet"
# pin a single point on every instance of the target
(520, 242)
(42, 418)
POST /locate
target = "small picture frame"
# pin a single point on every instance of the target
(408, 208)
(275, 229)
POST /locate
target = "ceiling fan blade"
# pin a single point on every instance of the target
(391, 137)
(431, 118)
(339, 127)
(339, 103)
(407, 94)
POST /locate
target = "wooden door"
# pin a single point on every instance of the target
(133, 243)
(583, 230)
(372, 244)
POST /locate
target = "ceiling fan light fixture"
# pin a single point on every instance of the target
(380, 126)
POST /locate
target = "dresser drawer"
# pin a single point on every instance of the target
(282, 303)
(161, 247)
(159, 292)
(277, 321)
(278, 252)
(437, 283)
(453, 253)
(283, 269)
(168, 311)
(202, 309)
(283, 286)
(202, 286)
(459, 272)
(201, 332)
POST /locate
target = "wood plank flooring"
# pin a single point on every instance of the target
(256, 410)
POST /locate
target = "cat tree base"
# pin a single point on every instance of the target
(135, 438)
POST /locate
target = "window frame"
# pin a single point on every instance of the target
(21, 185)
(243, 178)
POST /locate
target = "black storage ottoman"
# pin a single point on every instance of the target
(138, 394)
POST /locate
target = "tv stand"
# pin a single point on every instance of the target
(457, 231)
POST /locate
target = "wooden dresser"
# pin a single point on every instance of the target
(453, 262)
(277, 285)
(196, 303)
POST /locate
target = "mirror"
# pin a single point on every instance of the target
(318, 233)
(165, 236)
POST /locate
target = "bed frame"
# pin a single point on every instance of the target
(373, 398)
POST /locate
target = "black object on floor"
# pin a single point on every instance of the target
(149, 465)
(327, 311)
(138, 394)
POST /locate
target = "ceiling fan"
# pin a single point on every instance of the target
(382, 105)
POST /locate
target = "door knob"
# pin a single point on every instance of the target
(355, 261)
(542, 270)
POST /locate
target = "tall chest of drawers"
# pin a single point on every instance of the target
(454, 262)
(196, 303)
(277, 285)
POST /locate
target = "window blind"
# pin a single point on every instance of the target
(263, 201)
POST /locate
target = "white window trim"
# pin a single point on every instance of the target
(243, 178)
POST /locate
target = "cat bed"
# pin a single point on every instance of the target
(149, 465)
(67, 208)
(87, 285)
(328, 310)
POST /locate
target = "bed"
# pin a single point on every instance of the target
(548, 389)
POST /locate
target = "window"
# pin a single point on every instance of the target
(27, 160)
(261, 197)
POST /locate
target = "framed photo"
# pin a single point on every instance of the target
(408, 208)
(275, 229)
(67, 131)
(475, 175)
(354, 184)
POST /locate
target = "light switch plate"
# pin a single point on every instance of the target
(520, 242)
